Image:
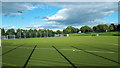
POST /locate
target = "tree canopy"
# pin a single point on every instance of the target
(85, 29)
(31, 33)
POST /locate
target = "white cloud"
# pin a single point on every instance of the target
(52, 25)
(8, 26)
(73, 13)
(59, 16)
(82, 13)
(12, 8)
(48, 25)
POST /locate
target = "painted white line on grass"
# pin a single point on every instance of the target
(67, 49)
(89, 51)
(29, 47)
(38, 48)
(101, 51)
(19, 47)
(113, 44)
(117, 44)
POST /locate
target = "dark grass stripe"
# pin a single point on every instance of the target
(11, 50)
(64, 57)
(104, 49)
(29, 57)
(97, 55)
(61, 67)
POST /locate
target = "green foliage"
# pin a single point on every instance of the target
(70, 29)
(112, 27)
(2, 31)
(32, 33)
(95, 29)
(118, 27)
(85, 29)
(18, 33)
(102, 28)
(10, 32)
(58, 32)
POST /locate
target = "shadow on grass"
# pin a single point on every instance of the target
(100, 48)
(104, 49)
(97, 55)
(10, 50)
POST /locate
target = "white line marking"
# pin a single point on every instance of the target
(89, 51)
(65, 49)
(113, 44)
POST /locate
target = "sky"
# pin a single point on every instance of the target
(57, 15)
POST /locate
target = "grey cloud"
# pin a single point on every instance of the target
(73, 13)
(13, 8)
(48, 25)
(52, 25)
(82, 13)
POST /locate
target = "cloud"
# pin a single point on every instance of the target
(96, 22)
(48, 25)
(52, 25)
(15, 8)
(59, 16)
(8, 26)
(82, 13)
(29, 27)
(72, 14)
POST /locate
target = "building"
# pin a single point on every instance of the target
(58, 35)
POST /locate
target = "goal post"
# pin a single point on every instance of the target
(10, 36)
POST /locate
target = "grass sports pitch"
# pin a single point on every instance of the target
(61, 51)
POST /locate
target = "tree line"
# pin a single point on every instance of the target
(21, 33)
(32, 33)
(98, 28)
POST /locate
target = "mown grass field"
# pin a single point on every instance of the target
(95, 51)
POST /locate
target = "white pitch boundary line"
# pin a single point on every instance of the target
(90, 51)
(29, 47)
(113, 44)
(117, 44)
(67, 49)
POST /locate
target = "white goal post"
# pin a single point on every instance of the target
(10, 36)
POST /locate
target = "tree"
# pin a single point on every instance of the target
(31, 33)
(10, 32)
(118, 27)
(39, 33)
(18, 33)
(58, 32)
(85, 29)
(3, 32)
(66, 31)
(70, 29)
(102, 28)
(112, 27)
(24, 33)
(95, 29)
(35, 33)
(50, 33)
(27, 34)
